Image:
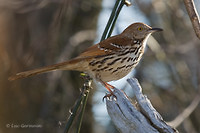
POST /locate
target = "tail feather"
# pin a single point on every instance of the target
(69, 65)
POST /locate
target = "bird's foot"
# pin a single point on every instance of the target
(109, 96)
(108, 87)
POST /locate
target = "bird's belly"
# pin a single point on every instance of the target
(114, 67)
(119, 71)
(113, 71)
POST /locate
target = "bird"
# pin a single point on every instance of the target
(108, 60)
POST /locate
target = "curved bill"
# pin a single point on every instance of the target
(155, 29)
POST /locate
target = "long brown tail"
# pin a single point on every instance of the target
(75, 64)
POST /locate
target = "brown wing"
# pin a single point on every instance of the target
(108, 46)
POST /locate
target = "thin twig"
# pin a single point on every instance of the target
(194, 17)
(104, 36)
(113, 17)
(85, 98)
(116, 16)
(82, 100)
(186, 113)
(73, 114)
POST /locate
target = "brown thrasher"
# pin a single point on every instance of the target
(109, 60)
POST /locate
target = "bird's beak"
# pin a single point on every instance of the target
(155, 29)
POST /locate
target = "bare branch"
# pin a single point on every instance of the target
(192, 12)
(128, 119)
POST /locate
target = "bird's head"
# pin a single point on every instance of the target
(139, 31)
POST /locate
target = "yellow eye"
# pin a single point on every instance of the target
(140, 28)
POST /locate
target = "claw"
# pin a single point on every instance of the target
(109, 96)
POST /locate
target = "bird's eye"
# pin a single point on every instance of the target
(140, 28)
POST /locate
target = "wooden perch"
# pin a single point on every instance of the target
(130, 119)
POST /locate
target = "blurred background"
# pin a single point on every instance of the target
(37, 33)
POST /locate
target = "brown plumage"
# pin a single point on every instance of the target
(108, 60)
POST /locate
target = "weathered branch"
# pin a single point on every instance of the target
(129, 119)
(192, 12)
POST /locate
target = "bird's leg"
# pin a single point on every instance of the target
(108, 87)
(112, 87)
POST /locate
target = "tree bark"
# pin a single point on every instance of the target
(194, 17)
(130, 119)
